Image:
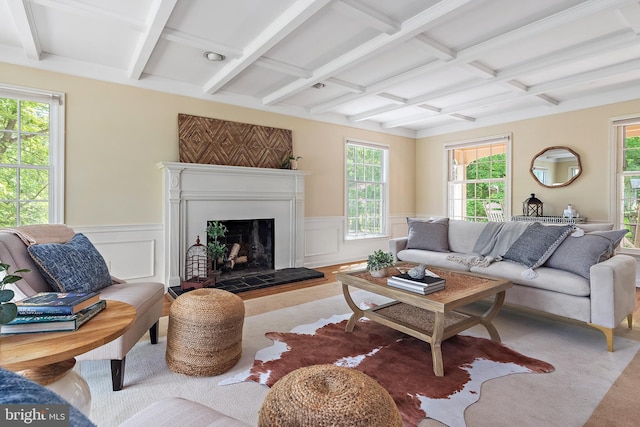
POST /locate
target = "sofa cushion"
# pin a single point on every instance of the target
(432, 258)
(536, 244)
(578, 254)
(75, 266)
(548, 279)
(463, 235)
(428, 234)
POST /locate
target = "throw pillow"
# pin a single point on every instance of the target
(536, 244)
(75, 266)
(428, 234)
(578, 254)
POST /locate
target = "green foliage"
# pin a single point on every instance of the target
(24, 159)
(216, 249)
(8, 310)
(379, 259)
(490, 171)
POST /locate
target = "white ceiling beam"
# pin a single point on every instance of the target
(351, 87)
(394, 99)
(282, 67)
(410, 29)
(631, 15)
(474, 52)
(285, 24)
(157, 19)
(179, 37)
(23, 19)
(436, 48)
(479, 69)
(430, 108)
(367, 15)
(462, 117)
(536, 90)
(507, 76)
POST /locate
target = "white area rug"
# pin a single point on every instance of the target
(584, 371)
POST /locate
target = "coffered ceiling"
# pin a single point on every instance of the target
(411, 67)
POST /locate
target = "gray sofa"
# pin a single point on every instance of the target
(577, 280)
(146, 297)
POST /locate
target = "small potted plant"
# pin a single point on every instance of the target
(217, 250)
(8, 310)
(290, 162)
(378, 262)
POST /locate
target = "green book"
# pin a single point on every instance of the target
(52, 323)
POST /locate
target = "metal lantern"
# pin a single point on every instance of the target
(532, 206)
(197, 264)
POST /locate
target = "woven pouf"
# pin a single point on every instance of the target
(328, 395)
(204, 335)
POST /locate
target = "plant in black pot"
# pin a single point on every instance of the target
(8, 310)
(217, 249)
(378, 262)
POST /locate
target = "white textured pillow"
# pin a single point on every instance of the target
(428, 234)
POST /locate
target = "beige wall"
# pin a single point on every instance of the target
(116, 135)
(586, 131)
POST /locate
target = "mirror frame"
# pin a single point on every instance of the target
(556, 147)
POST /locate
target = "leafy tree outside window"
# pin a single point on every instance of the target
(478, 174)
(366, 181)
(628, 179)
(26, 166)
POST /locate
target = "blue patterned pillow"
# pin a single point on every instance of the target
(538, 242)
(75, 266)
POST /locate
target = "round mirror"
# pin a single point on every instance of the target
(556, 167)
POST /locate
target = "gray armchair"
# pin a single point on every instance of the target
(147, 298)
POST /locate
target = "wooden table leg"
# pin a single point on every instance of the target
(491, 313)
(357, 312)
(436, 345)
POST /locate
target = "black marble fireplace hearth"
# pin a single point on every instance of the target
(264, 279)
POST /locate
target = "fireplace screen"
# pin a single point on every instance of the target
(249, 247)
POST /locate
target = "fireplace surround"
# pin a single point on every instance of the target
(195, 193)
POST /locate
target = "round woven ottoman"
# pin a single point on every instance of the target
(204, 335)
(328, 395)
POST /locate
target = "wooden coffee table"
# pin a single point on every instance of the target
(431, 318)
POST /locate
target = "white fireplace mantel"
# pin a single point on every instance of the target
(196, 193)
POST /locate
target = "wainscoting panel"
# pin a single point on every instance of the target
(132, 252)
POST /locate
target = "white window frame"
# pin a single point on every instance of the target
(385, 190)
(56, 101)
(616, 210)
(448, 150)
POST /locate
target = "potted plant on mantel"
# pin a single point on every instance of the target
(290, 162)
(8, 310)
(217, 250)
(378, 262)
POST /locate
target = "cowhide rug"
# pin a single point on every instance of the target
(400, 363)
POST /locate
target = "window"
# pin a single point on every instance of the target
(31, 172)
(627, 137)
(366, 181)
(479, 173)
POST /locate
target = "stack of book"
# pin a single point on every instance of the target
(54, 311)
(424, 286)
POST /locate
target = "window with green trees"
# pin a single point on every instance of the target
(26, 158)
(366, 182)
(478, 174)
(628, 178)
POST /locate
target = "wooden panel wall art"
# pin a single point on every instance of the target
(220, 142)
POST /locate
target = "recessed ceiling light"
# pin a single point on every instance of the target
(318, 85)
(212, 56)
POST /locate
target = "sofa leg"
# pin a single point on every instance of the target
(630, 321)
(608, 333)
(153, 333)
(117, 373)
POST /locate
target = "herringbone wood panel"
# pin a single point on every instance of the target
(221, 142)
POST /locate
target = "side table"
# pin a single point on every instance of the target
(48, 357)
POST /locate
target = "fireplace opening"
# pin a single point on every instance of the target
(249, 247)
